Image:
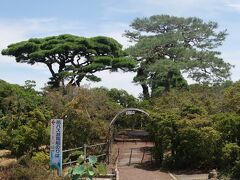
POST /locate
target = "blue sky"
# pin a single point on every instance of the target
(20, 20)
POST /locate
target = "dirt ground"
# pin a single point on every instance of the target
(6, 159)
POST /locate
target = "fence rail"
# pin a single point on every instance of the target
(94, 145)
(73, 149)
(86, 148)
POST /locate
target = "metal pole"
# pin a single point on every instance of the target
(130, 157)
(151, 156)
(85, 151)
(108, 151)
(143, 155)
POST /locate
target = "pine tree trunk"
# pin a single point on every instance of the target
(145, 91)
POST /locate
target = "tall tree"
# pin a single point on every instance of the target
(72, 58)
(119, 96)
(186, 44)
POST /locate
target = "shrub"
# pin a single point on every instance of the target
(41, 157)
(231, 153)
(26, 132)
(236, 170)
(29, 169)
(88, 169)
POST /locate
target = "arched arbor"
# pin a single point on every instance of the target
(124, 111)
(112, 123)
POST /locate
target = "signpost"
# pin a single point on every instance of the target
(56, 145)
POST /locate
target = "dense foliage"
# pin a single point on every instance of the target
(23, 119)
(197, 128)
(25, 116)
(194, 128)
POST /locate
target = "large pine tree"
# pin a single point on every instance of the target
(168, 46)
(72, 58)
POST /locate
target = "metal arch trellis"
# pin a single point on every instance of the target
(125, 110)
(110, 141)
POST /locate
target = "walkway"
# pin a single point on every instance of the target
(137, 171)
(132, 173)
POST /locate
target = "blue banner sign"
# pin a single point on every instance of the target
(56, 145)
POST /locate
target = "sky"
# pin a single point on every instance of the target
(21, 20)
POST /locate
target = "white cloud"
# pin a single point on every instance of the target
(235, 6)
(115, 30)
(12, 30)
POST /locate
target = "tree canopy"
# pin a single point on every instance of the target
(119, 96)
(198, 127)
(168, 46)
(23, 119)
(72, 58)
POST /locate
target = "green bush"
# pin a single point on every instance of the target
(231, 159)
(23, 119)
(41, 157)
(192, 142)
(26, 132)
(228, 124)
(236, 170)
(230, 153)
(169, 162)
(88, 168)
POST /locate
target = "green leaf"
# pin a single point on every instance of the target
(102, 169)
(80, 160)
(70, 170)
(91, 172)
(79, 170)
(92, 159)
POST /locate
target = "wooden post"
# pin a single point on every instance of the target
(130, 158)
